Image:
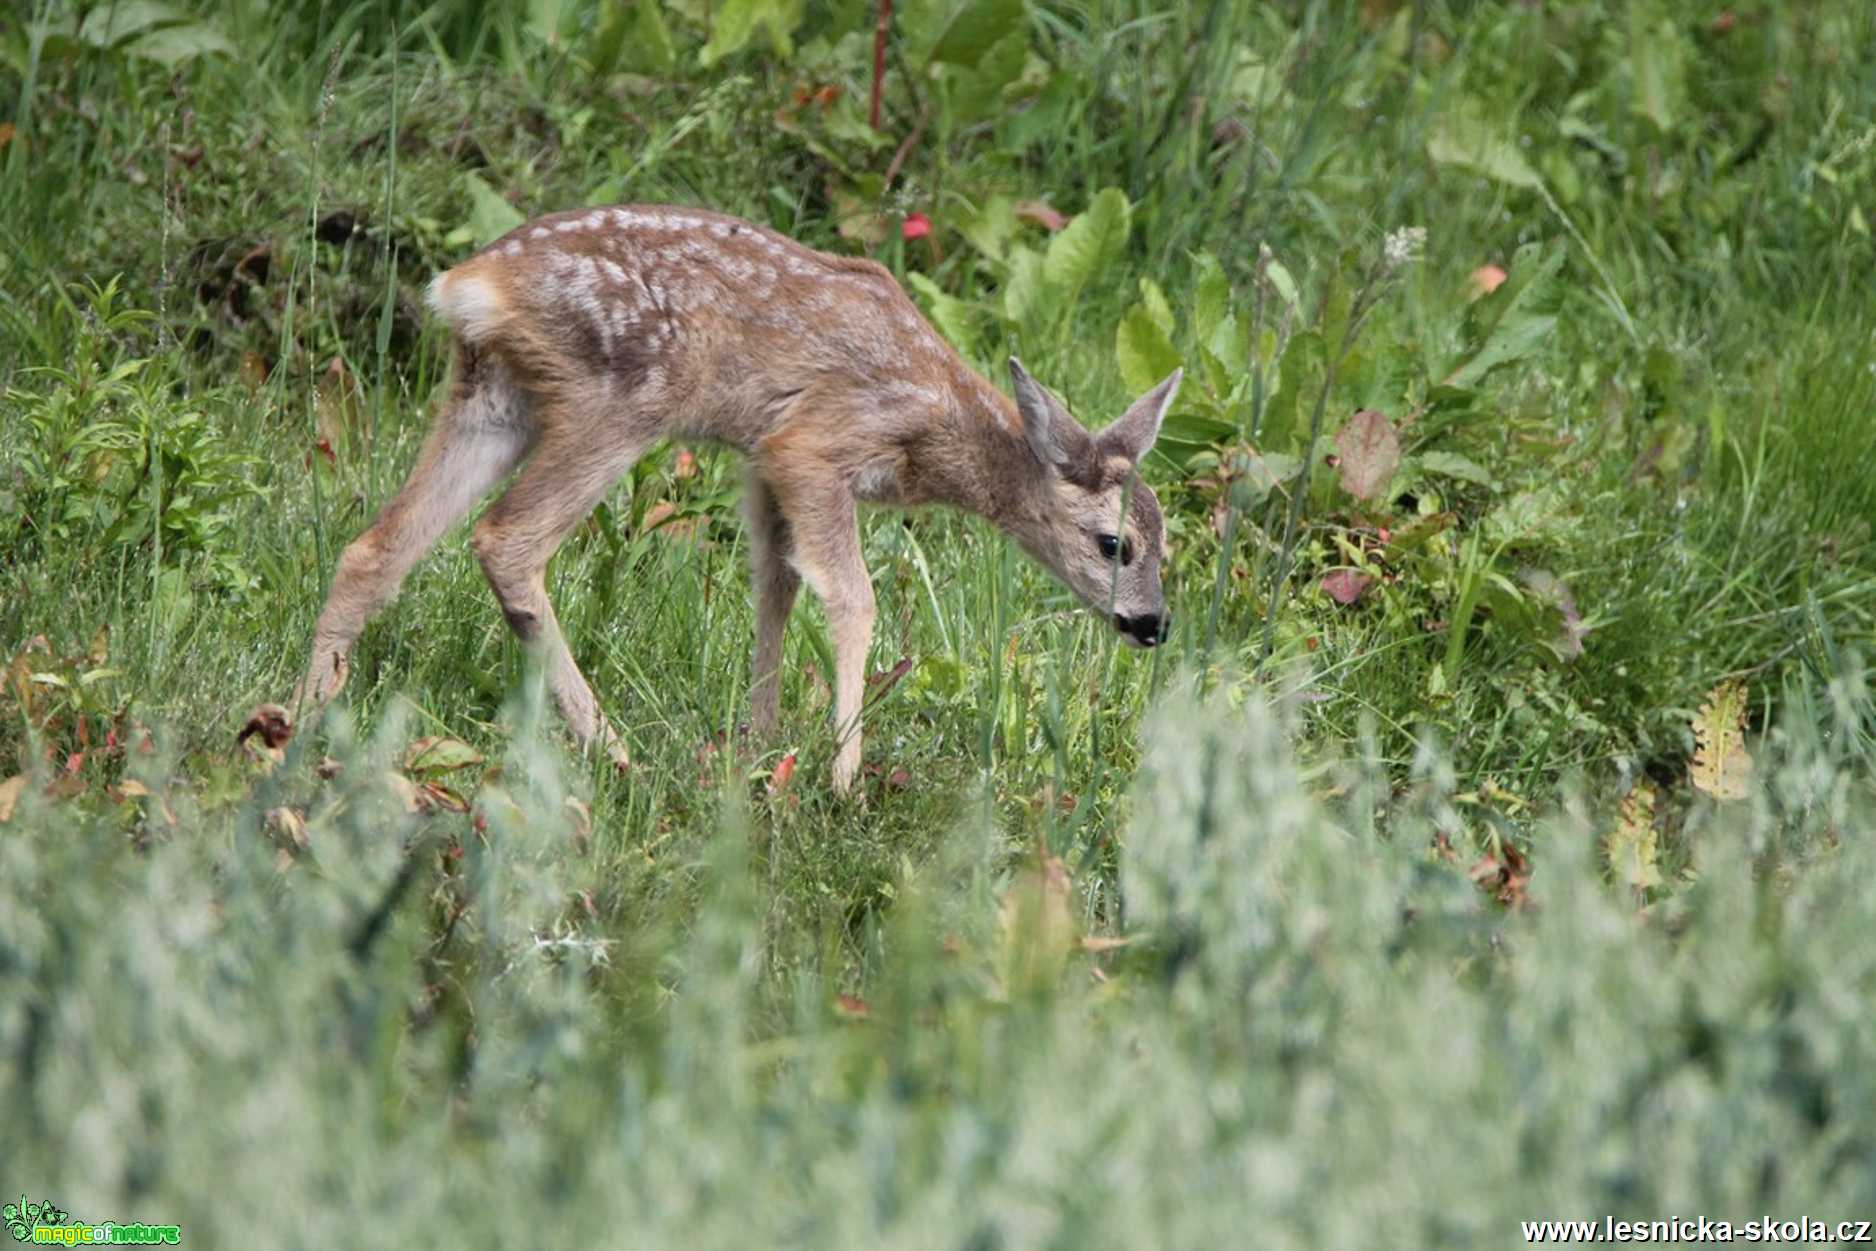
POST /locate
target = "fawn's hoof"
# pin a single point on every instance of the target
(271, 722)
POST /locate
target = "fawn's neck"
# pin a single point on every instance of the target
(974, 457)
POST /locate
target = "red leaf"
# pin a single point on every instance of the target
(1345, 586)
(1042, 213)
(782, 775)
(917, 226)
(1485, 279)
(1370, 453)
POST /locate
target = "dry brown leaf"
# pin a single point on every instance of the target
(338, 402)
(271, 722)
(287, 826)
(440, 754)
(403, 790)
(1721, 767)
(10, 792)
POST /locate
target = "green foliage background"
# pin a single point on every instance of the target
(702, 1003)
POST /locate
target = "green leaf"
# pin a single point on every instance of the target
(1144, 351)
(735, 24)
(1283, 284)
(1211, 295)
(1525, 313)
(651, 48)
(957, 32)
(490, 216)
(1022, 290)
(1157, 306)
(1463, 139)
(990, 226)
(1453, 465)
(1300, 371)
(1088, 244)
(1655, 58)
(955, 319)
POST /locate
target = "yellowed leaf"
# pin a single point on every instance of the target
(1037, 923)
(1632, 844)
(1721, 767)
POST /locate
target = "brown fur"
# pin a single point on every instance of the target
(585, 337)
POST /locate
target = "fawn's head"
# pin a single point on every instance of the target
(1099, 529)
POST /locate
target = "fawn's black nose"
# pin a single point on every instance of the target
(1147, 629)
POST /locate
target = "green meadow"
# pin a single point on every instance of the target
(1490, 841)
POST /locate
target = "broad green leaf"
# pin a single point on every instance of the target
(735, 23)
(1226, 346)
(1300, 372)
(1145, 353)
(958, 32)
(955, 319)
(1521, 314)
(490, 216)
(1655, 58)
(1283, 284)
(1022, 291)
(173, 45)
(653, 49)
(1088, 244)
(1453, 465)
(1211, 295)
(1462, 139)
(1157, 306)
(108, 25)
(990, 226)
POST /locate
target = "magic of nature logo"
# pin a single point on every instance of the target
(46, 1223)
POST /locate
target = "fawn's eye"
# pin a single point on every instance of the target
(1111, 546)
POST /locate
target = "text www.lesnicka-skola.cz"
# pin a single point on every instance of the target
(1697, 1229)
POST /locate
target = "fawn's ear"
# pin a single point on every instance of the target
(1133, 432)
(1045, 421)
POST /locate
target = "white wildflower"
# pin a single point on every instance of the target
(1404, 245)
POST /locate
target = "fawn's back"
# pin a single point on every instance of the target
(717, 326)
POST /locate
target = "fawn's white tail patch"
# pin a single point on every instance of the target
(470, 303)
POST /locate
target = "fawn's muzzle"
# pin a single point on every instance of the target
(1147, 630)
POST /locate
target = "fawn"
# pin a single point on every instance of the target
(582, 338)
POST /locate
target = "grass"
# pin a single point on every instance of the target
(711, 1002)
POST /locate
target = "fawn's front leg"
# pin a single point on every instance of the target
(824, 527)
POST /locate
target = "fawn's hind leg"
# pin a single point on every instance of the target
(569, 472)
(473, 444)
(774, 583)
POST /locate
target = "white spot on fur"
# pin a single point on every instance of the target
(596, 220)
(512, 247)
(613, 272)
(540, 232)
